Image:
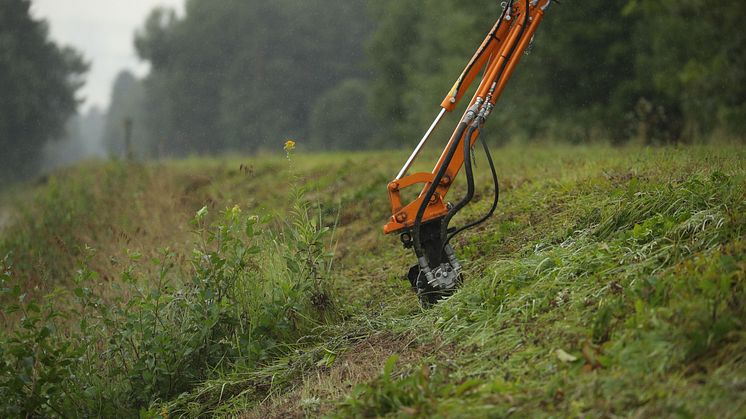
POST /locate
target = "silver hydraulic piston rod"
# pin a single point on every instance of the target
(417, 150)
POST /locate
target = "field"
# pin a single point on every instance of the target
(612, 282)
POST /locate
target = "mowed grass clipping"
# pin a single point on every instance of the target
(611, 281)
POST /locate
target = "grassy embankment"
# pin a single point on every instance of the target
(611, 282)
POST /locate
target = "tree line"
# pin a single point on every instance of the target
(242, 75)
(345, 74)
(38, 81)
(653, 71)
(239, 75)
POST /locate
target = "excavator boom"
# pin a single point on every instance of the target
(423, 224)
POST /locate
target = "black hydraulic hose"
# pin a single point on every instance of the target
(451, 150)
(496, 182)
(467, 147)
(467, 140)
(433, 186)
(469, 182)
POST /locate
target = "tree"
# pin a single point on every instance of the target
(341, 120)
(127, 106)
(578, 58)
(691, 57)
(82, 139)
(38, 81)
(235, 75)
(390, 49)
(660, 71)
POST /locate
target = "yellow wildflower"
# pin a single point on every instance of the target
(289, 145)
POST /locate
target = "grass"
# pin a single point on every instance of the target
(610, 283)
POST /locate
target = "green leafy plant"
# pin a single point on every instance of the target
(253, 292)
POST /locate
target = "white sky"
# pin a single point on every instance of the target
(103, 31)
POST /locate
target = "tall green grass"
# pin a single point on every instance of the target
(639, 307)
(611, 283)
(256, 288)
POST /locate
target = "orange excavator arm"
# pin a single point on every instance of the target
(424, 222)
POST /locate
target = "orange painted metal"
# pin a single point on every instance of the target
(505, 48)
(486, 50)
(493, 55)
(536, 18)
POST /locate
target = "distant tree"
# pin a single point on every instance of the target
(578, 58)
(579, 82)
(390, 51)
(691, 57)
(235, 74)
(660, 71)
(81, 140)
(341, 120)
(128, 104)
(38, 81)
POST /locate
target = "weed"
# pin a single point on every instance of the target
(252, 295)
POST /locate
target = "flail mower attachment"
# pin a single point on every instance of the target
(423, 224)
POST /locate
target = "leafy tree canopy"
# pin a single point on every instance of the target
(237, 74)
(660, 71)
(38, 81)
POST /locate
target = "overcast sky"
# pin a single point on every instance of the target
(103, 31)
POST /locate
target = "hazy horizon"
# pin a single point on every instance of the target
(102, 30)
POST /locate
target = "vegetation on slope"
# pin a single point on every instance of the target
(611, 282)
